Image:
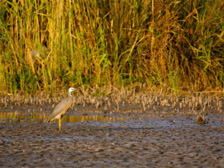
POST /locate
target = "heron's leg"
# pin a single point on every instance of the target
(59, 124)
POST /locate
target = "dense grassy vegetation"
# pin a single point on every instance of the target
(123, 43)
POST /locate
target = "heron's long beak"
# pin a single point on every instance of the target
(75, 90)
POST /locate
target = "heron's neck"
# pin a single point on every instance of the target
(69, 95)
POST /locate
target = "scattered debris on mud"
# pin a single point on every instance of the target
(126, 129)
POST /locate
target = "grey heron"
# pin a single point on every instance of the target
(61, 108)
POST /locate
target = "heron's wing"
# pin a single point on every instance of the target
(61, 108)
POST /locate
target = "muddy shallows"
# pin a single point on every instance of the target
(111, 140)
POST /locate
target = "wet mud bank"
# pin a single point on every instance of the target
(115, 141)
(126, 129)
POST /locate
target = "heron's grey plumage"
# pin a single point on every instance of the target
(62, 107)
(40, 52)
(35, 53)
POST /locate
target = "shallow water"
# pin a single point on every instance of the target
(134, 120)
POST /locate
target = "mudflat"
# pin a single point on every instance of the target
(159, 136)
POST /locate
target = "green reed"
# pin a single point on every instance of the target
(122, 43)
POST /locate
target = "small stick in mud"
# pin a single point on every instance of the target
(201, 120)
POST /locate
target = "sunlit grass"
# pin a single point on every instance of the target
(111, 43)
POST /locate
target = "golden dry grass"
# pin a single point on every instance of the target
(171, 44)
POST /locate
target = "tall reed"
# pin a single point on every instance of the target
(123, 43)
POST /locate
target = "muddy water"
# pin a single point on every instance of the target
(137, 139)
